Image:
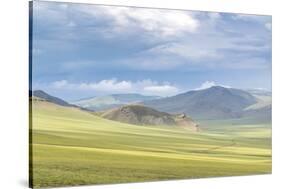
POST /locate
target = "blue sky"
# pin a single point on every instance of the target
(84, 50)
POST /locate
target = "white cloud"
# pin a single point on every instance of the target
(156, 21)
(208, 84)
(163, 39)
(111, 86)
(102, 86)
(120, 19)
(108, 85)
(207, 53)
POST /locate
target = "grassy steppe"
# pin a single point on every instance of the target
(73, 147)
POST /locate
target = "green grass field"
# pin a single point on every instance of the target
(73, 147)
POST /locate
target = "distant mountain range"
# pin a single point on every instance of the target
(131, 114)
(259, 92)
(212, 103)
(262, 108)
(112, 101)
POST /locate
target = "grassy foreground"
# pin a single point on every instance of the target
(73, 147)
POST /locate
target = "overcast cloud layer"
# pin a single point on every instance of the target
(91, 50)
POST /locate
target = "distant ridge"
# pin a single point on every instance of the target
(107, 102)
(212, 103)
(45, 96)
(259, 92)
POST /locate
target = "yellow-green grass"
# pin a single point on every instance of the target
(74, 147)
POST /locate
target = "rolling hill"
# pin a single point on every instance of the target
(212, 103)
(141, 115)
(41, 95)
(112, 101)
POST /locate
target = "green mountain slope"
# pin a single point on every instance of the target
(212, 103)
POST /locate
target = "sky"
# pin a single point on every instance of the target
(82, 50)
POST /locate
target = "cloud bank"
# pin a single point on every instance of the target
(111, 86)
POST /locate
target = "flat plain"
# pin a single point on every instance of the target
(75, 147)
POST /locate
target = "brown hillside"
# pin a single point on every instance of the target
(142, 115)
